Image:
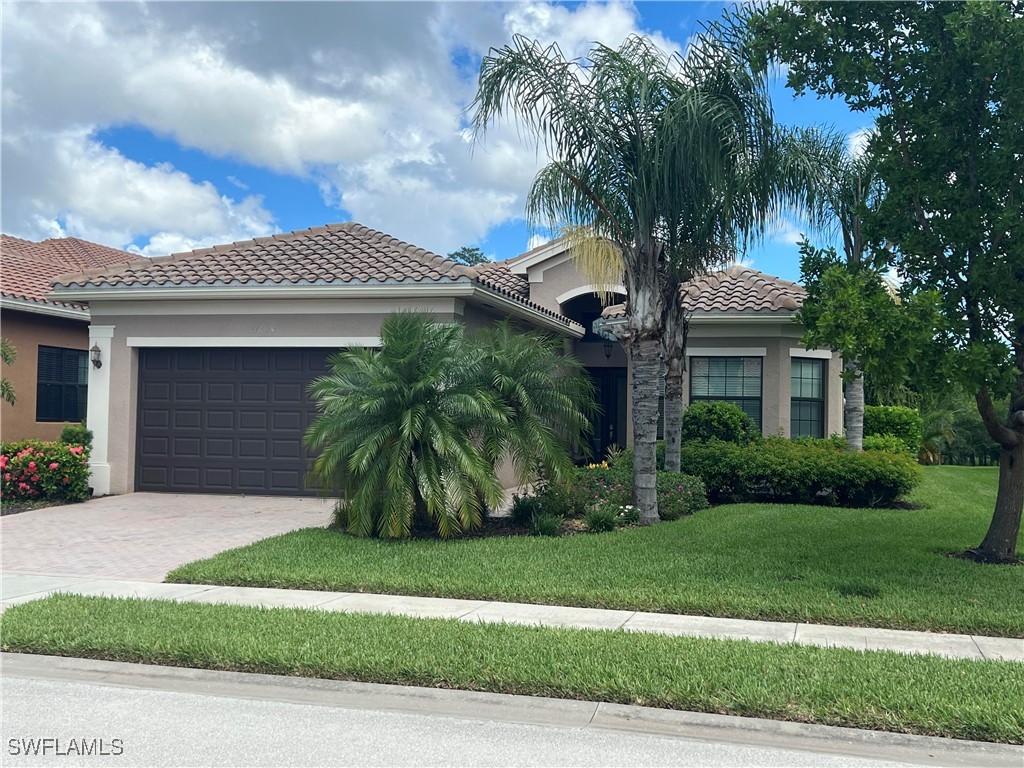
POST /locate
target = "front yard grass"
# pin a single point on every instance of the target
(981, 700)
(864, 567)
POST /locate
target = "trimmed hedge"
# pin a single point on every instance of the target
(896, 420)
(35, 470)
(717, 420)
(781, 470)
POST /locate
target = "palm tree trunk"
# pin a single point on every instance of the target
(645, 359)
(673, 415)
(854, 409)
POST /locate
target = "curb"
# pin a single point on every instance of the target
(694, 726)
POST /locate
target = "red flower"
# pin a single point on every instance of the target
(32, 466)
(54, 465)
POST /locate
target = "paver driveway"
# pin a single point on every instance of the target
(142, 536)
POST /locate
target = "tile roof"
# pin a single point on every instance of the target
(498, 274)
(27, 268)
(736, 289)
(328, 255)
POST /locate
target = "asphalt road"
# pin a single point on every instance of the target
(164, 728)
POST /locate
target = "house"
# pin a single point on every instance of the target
(50, 337)
(206, 355)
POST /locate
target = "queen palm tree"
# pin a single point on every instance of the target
(633, 138)
(410, 435)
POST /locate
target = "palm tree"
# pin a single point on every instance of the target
(7, 354)
(850, 189)
(779, 169)
(634, 138)
(410, 435)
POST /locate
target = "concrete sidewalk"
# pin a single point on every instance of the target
(19, 587)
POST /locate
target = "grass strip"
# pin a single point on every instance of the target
(982, 700)
(860, 567)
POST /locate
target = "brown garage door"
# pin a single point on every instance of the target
(225, 420)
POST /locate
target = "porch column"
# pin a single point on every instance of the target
(98, 409)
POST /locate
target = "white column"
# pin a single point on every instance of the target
(98, 413)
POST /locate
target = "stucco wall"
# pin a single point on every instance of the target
(27, 331)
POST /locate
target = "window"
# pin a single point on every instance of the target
(807, 389)
(734, 380)
(62, 379)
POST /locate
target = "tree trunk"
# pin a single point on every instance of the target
(853, 413)
(673, 416)
(1000, 544)
(644, 355)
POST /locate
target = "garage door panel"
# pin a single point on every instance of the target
(226, 420)
(220, 391)
(188, 391)
(220, 419)
(252, 420)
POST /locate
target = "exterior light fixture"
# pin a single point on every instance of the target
(609, 346)
(94, 355)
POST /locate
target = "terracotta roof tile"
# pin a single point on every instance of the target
(331, 254)
(27, 268)
(736, 289)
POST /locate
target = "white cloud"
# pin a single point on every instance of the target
(785, 231)
(365, 100)
(857, 141)
(536, 241)
(70, 184)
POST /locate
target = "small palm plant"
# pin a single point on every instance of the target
(7, 355)
(410, 435)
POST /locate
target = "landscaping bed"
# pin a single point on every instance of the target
(979, 700)
(863, 567)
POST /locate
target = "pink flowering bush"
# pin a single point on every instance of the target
(611, 489)
(38, 470)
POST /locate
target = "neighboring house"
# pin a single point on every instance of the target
(51, 337)
(207, 355)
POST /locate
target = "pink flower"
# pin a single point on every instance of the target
(23, 486)
(35, 478)
(32, 466)
(3, 462)
(7, 476)
(54, 465)
(66, 481)
(77, 450)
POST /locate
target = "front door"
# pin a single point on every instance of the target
(610, 421)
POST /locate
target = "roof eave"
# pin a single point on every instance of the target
(43, 308)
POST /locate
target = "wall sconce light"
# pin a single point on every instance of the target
(94, 355)
(609, 347)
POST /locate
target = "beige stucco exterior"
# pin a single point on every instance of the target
(27, 331)
(123, 326)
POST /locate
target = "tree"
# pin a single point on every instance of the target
(634, 138)
(411, 434)
(881, 337)
(945, 79)
(470, 256)
(7, 354)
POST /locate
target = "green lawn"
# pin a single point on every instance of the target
(886, 567)
(885, 691)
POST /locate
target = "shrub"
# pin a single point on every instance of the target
(77, 434)
(886, 443)
(680, 495)
(597, 485)
(40, 470)
(790, 472)
(525, 509)
(716, 420)
(897, 420)
(545, 524)
(562, 499)
(600, 519)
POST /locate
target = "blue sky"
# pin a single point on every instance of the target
(172, 126)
